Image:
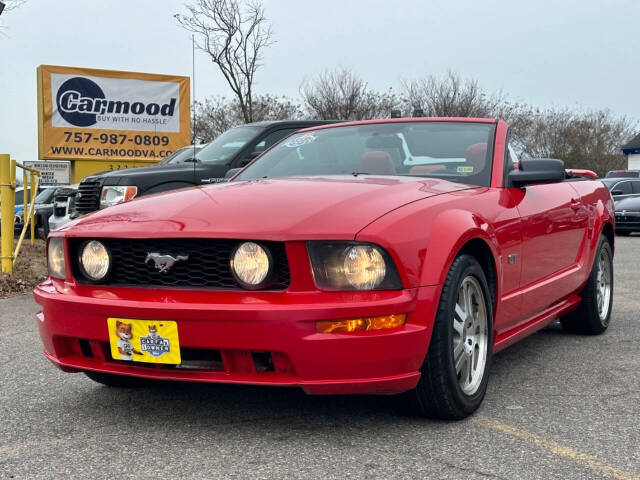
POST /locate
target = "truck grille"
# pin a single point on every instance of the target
(206, 267)
(60, 209)
(88, 198)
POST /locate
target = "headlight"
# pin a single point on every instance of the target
(55, 257)
(251, 265)
(94, 261)
(113, 195)
(352, 266)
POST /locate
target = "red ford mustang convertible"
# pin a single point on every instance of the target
(390, 256)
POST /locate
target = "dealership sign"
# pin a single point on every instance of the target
(52, 172)
(109, 115)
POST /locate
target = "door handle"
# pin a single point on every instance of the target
(575, 204)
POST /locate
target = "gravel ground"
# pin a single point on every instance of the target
(28, 271)
(559, 406)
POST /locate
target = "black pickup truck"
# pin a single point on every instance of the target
(234, 148)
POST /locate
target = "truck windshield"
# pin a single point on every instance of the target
(45, 196)
(228, 144)
(180, 156)
(456, 151)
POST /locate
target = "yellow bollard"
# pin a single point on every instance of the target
(34, 193)
(7, 201)
(25, 198)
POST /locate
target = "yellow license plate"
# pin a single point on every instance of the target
(149, 341)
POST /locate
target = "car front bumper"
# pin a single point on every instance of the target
(629, 222)
(232, 330)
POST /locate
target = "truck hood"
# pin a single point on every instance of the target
(132, 176)
(268, 209)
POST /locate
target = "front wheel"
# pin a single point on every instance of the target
(455, 372)
(593, 315)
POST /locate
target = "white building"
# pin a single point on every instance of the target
(632, 151)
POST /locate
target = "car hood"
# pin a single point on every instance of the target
(630, 203)
(269, 209)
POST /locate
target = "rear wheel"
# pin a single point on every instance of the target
(111, 380)
(593, 315)
(456, 370)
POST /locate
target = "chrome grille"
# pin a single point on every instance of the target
(88, 197)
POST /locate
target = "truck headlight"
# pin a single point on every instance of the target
(94, 261)
(251, 265)
(113, 195)
(55, 257)
(352, 266)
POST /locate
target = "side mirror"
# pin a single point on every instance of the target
(537, 170)
(616, 192)
(231, 172)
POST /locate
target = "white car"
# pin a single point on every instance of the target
(63, 206)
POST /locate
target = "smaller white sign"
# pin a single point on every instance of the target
(53, 172)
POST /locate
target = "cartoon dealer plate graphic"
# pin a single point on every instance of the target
(150, 341)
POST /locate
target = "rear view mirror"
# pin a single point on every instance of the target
(537, 170)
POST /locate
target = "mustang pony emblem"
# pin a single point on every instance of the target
(163, 263)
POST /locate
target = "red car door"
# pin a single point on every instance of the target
(554, 226)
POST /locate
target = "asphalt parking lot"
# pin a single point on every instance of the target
(558, 406)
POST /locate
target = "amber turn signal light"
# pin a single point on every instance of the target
(362, 324)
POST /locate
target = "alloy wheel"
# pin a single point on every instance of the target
(470, 335)
(603, 286)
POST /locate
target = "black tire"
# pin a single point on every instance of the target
(587, 319)
(111, 380)
(438, 393)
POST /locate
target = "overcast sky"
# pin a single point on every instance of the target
(576, 53)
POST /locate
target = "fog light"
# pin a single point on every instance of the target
(251, 265)
(362, 324)
(94, 261)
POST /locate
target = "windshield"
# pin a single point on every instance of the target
(45, 196)
(180, 156)
(457, 151)
(227, 145)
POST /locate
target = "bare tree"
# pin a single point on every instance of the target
(450, 96)
(234, 35)
(589, 139)
(13, 4)
(218, 114)
(8, 6)
(212, 117)
(272, 107)
(343, 95)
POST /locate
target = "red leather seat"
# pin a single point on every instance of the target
(476, 157)
(377, 163)
(418, 169)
